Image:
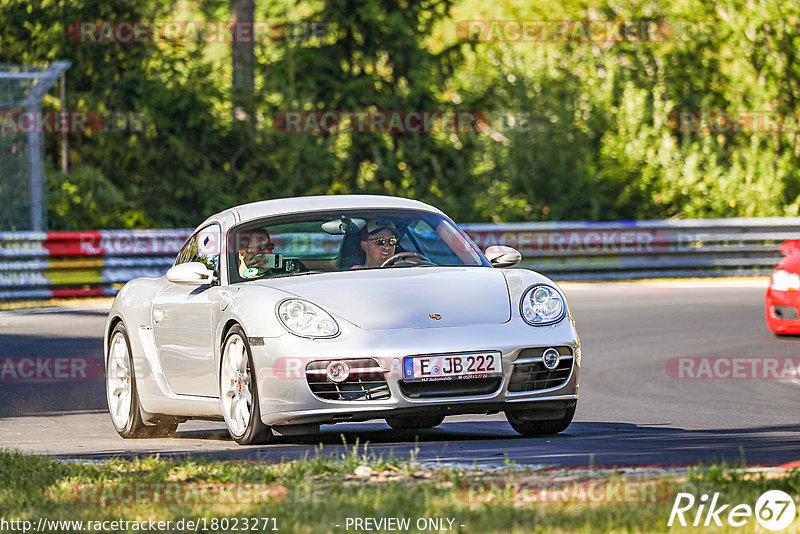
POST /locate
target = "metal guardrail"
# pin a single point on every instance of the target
(75, 264)
(644, 249)
(35, 265)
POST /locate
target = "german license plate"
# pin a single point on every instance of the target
(452, 366)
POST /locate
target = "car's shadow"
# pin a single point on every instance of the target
(377, 433)
(495, 443)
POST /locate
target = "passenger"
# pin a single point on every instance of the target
(256, 253)
(378, 243)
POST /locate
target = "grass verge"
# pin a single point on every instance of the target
(329, 494)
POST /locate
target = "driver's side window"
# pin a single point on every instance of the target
(422, 238)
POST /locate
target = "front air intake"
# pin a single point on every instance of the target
(365, 380)
(531, 374)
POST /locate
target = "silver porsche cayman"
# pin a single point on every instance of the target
(282, 315)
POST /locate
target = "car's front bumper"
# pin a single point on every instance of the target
(285, 397)
(781, 309)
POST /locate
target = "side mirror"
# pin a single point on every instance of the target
(789, 246)
(191, 273)
(501, 256)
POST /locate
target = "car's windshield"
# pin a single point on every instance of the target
(347, 240)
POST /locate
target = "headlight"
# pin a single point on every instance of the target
(785, 281)
(542, 305)
(304, 319)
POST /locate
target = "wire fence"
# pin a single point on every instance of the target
(22, 175)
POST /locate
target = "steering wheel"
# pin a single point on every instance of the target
(402, 256)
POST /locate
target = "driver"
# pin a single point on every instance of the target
(378, 243)
(256, 246)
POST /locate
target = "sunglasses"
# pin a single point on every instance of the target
(384, 241)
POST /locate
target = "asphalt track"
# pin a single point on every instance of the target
(630, 412)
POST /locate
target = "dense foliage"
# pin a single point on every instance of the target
(574, 130)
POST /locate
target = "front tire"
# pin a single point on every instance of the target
(239, 391)
(407, 422)
(122, 394)
(536, 428)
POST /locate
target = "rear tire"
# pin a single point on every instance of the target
(239, 396)
(546, 427)
(409, 422)
(122, 395)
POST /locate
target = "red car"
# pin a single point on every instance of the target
(782, 303)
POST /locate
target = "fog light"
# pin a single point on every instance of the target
(550, 358)
(337, 371)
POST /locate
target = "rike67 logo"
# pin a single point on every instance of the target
(774, 510)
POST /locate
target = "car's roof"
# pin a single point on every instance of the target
(284, 206)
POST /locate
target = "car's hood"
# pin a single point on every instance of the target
(384, 299)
